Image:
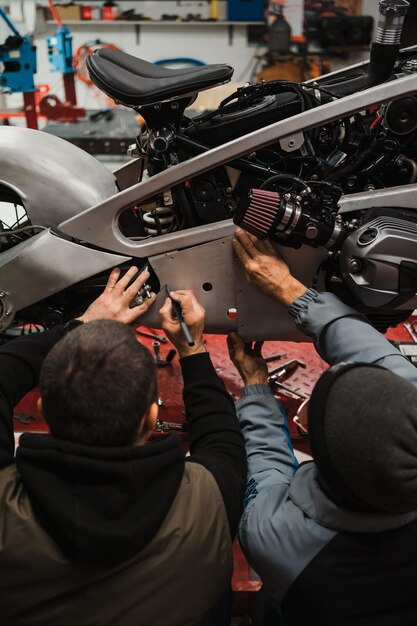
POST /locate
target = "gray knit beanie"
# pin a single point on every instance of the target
(363, 436)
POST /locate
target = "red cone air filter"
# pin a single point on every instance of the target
(261, 213)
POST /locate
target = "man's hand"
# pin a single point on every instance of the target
(114, 303)
(248, 360)
(265, 269)
(194, 316)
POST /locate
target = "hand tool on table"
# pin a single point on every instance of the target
(273, 357)
(159, 360)
(152, 335)
(279, 373)
(287, 368)
(411, 328)
(164, 427)
(24, 418)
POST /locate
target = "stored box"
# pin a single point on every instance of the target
(69, 11)
(245, 10)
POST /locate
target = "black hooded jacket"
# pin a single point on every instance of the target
(103, 506)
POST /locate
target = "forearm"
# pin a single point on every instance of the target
(214, 433)
(342, 334)
(268, 444)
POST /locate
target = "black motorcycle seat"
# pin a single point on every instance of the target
(135, 82)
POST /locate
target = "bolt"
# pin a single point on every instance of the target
(311, 231)
(8, 312)
(2, 294)
(291, 143)
(156, 352)
(354, 266)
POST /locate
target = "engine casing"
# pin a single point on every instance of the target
(379, 261)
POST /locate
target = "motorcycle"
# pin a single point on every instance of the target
(326, 168)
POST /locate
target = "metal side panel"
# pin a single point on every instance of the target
(212, 264)
(43, 266)
(259, 317)
(89, 224)
(54, 179)
(199, 268)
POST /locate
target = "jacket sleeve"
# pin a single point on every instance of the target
(268, 444)
(269, 519)
(214, 435)
(20, 364)
(342, 334)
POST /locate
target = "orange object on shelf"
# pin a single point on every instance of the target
(353, 7)
(110, 11)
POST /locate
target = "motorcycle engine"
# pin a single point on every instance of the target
(378, 261)
(373, 255)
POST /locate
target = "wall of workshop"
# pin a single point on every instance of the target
(152, 42)
(209, 44)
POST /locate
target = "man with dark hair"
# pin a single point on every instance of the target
(78, 382)
(100, 525)
(334, 540)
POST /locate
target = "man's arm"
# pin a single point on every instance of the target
(342, 334)
(20, 364)
(21, 359)
(214, 434)
(271, 462)
(262, 418)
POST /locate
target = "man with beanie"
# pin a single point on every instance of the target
(99, 525)
(334, 540)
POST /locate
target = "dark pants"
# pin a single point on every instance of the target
(221, 613)
(265, 611)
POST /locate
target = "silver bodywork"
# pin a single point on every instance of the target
(77, 197)
(43, 266)
(54, 179)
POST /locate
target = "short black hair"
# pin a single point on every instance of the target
(96, 384)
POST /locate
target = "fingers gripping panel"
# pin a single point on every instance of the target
(207, 269)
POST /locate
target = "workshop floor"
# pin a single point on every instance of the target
(245, 580)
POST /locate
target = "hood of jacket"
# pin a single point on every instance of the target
(100, 504)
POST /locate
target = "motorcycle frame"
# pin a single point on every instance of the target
(202, 255)
(111, 237)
